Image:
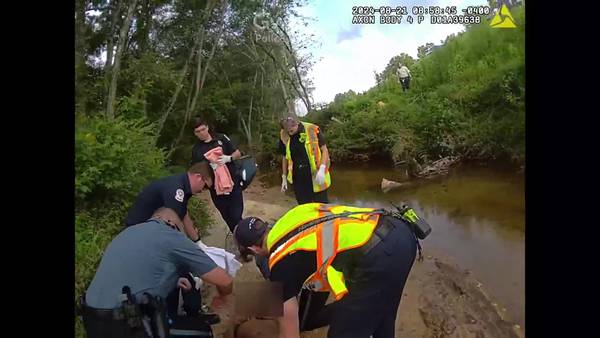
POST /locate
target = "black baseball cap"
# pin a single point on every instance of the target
(249, 231)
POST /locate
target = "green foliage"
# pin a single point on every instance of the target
(268, 140)
(114, 159)
(200, 215)
(168, 74)
(146, 84)
(467, 98)
(393, 65)
(94, 229)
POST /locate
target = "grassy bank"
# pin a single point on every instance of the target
(467, 99)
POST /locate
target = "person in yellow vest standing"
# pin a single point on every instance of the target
(305, 162)
(362, 256)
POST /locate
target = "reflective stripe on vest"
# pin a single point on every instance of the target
(311, 146)
(326, 238)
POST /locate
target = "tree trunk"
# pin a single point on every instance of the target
(248, 126)
(283, 70)
(290, 106)
(80, 46)
(199, 83)
(115, 8)
(144, 27)
(288, 45)
(200, 75)
(110, 107)
(244, 126)
(163, 119)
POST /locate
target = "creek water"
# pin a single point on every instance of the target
(477, 213)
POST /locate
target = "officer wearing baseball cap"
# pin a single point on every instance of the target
(353, 253)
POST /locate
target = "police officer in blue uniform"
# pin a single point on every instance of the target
(172, 192)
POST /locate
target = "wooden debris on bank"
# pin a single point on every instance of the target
(439, 167)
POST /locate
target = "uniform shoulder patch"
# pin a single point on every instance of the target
(179, 195)
(225, 136)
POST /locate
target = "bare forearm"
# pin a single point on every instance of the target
(220, 279)
(289, 323)
(283, 165)
(236, 154)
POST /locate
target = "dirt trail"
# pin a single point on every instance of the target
(440, 299)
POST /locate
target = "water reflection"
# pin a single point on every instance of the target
(477, 215)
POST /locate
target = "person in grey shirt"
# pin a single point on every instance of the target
(150, 257)
(404, 76)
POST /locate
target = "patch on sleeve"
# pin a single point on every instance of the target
(179, 195)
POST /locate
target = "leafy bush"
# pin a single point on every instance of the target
(94, 229)
(267, 142)
(200, 215)
(115, 158)
(466, 98)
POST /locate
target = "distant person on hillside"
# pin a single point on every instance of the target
(403, 76)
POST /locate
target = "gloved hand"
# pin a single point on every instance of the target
(213, 165)
(320, 178)
(224, 159)
(283, 183)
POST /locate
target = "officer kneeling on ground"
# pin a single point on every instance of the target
(362, 256)
(141, 267)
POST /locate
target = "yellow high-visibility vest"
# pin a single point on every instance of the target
(311, 144)
(326, 238)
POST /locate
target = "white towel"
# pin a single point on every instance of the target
(226, 260)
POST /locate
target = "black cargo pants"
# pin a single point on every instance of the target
(375, 289)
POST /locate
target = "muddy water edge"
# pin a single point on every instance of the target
(477, 213)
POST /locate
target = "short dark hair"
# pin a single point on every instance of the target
(199, 121)
(204, 169)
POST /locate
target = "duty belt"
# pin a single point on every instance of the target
(382, 229)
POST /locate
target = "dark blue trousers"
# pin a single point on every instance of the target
(375, 289)
(230, 206)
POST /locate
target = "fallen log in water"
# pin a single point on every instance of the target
(439, 167)
(387, 185)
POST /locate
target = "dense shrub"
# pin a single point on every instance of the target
(115, 158)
